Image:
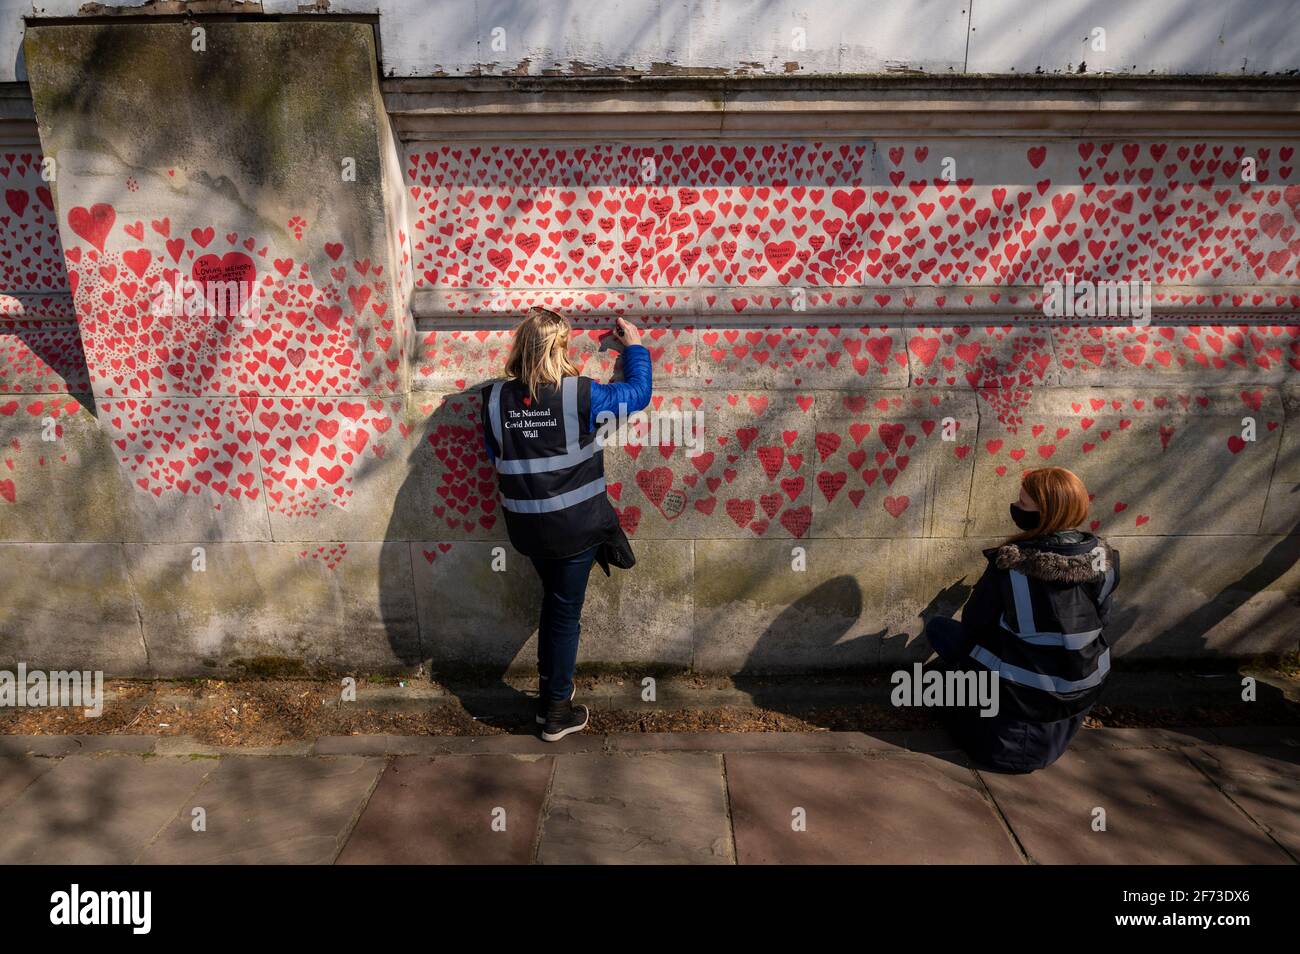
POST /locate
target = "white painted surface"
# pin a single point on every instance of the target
(422, 38)
(455, 37)
(11, 39)
(1241, 37)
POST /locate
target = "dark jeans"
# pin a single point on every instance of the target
(948, 638)
(564, 589)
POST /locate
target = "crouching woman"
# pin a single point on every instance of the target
(1035, 619)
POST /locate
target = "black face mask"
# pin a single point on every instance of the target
(1024, 519)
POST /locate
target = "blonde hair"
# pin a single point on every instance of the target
(1061, 498)
(539, 353)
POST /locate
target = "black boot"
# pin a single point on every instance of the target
(544, 700)
(563, 718)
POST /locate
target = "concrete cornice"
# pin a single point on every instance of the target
(17, 120)
(890, 304)
(840, 107)
(828, 107)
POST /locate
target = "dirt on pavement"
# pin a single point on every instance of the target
(257, 712)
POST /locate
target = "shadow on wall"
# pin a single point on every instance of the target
(462, 637)
(1203, 617)
(836, 604)
(470, 646)
(412, 511)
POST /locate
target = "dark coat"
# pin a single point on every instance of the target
(1037, 616)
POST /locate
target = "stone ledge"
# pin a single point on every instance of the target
(59, 745)
(901, 304)
(846, 106)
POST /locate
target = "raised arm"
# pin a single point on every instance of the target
(631, 394)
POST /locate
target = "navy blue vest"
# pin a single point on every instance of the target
(1048, 648)
(550, 469)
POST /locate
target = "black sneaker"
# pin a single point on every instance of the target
(542, 700)
(563, 718)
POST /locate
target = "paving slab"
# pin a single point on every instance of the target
(378, 745)
(1265, 783)
(858, 810)
(524, 743)
(269, 811)
(652, 808)
(96, 809)
(1268, 761)
(1257, 735)
(1140, 738)
(1159, 809)
(453, 810)
(17, 772)
(513, 743)
(737, 741)
(928, 741)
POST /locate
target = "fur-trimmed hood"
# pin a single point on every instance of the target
(1053, 566)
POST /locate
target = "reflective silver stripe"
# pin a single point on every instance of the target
(542, 465)
(1024, 605)
(494, 414)
(1039, 680)
(1026, 628)
(569, 398)
(1068, 640)
(558, 502)
(1108, 585)
(574, 452)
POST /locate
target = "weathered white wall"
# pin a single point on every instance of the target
(455, 37)
(666, 36)
(1238, 37)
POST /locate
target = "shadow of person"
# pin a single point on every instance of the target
(947, 602)
(815, 629)
(810, 632)
(463, 606)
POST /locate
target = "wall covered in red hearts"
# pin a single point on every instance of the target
(857, 328)
(685, 215)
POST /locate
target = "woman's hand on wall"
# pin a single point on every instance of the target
(628, 333)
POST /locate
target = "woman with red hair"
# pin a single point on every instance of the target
(1035, 620)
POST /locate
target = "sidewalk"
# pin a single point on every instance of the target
(1227, 795)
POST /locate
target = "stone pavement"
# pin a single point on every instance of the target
(1201, 796)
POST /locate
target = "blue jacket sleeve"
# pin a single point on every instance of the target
(631, 394)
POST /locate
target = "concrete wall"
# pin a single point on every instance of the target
(780, 37)
(825, 303)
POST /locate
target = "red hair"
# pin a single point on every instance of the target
(1061, 498)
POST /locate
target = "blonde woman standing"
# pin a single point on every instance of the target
(540, 430)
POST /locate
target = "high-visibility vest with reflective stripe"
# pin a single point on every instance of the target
(550, 469)
(1048, 649)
